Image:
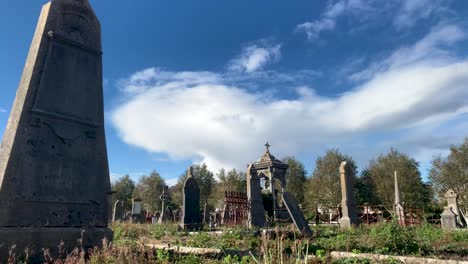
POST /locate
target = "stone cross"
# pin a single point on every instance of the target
(164, 199)
(348, 204)
(54, 171)
(191, 217)
(399, 208)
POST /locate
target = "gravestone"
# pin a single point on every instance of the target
(348, 205)
(256, 216)
(296, 214)
(54, 175)
(164, 199)
(451, 217)
(137, 211)
(191, 218)
(118, 211)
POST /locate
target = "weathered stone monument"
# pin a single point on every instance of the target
(256, 216)
(206, 214)
(451, 217)
(191, 218)
(296, 214)
(399, 208)
(272, 172)
(137, 211)
(54, 176)
(164, 217)
(348, 205)
(118, 211)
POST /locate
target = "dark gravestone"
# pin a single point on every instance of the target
(296, 214)
(54, 175)
(118, 212)
(191, 218)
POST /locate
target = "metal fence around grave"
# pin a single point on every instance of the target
(372, 214)
(236, 209)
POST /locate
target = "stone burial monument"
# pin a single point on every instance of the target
(54, 175)
(272, 172)
(348, 205)
(191, 217)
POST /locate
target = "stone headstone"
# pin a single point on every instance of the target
(348, 205)
(164, 217)
(118, 211)
(137, 206)
(256, 216)
(191, 218)
(54, 175)
(137, 215)
(296, 214)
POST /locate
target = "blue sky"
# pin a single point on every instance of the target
(211, 81)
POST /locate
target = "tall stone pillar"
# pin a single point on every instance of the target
(254, 195)
(399, 208)
(348, 205)
(54, 176)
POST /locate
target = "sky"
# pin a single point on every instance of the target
(212, 81)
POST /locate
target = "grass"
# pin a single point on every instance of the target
(243, 246)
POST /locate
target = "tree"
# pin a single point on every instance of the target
(364, 190)
(205, 180)
(123, 189)
(149, 189)
(452, 173)
(233, 180)
(176, 191)
(323, 188)
(295, 178)
(413, 192)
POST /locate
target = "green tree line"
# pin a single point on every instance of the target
(373, 185)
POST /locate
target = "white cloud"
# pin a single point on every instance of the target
(430, 49)
(329, 17)
(403, 14)
(412, 11)
(171, 182)
(3, 110)
(226, 126)
(255, 57)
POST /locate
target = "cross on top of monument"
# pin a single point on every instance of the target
(267, 145)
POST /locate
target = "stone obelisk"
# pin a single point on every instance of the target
(54, 175)
(399, 208)
(348, 205)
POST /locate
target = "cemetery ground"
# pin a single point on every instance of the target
(145, 243)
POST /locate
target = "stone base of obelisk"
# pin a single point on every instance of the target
(347, 222)
(60, 241)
